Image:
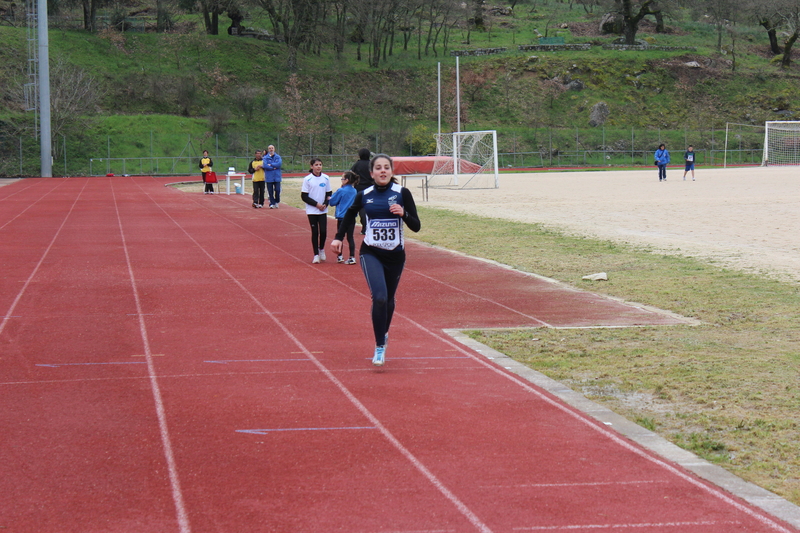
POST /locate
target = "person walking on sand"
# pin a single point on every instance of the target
(316, 193)
(662, 160)
(688, 157)
(382, 254)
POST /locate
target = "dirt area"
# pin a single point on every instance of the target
(743, 218)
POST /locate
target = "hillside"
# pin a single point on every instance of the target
(154, 94)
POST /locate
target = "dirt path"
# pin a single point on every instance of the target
(744, 218)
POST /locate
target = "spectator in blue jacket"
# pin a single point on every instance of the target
(272, 175)
(343, 199)
(662, 160)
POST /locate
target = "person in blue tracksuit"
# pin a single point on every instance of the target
(272, 175)
(342, 199)
(388, 208)
(662, 160)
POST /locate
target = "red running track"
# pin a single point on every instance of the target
(172, 362)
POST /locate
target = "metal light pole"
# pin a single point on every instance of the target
(44, 91)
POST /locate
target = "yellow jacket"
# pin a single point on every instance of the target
(258, 170)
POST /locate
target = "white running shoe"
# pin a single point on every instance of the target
(315, 260)
(322, 255)
(277, 205)
(380, 356)
(339, 259)
(351, 261)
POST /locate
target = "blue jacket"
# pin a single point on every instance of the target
(343, 199)
(662, 157)
(272, 168)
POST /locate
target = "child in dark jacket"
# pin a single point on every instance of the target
(343, 199)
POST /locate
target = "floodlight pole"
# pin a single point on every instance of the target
(45, 138)
(457, 138)
(439, 95)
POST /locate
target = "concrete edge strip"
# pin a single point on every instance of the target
(753, 494)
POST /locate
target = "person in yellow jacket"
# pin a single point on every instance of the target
(256, 168)
(205, 167)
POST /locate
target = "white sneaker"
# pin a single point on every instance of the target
(380, 356)
(340, 259)
(322, 255)
(351, 261)
(315, 260)
(277, 205)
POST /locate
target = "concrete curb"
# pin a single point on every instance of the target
(753, 494)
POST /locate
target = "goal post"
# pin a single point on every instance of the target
(781, 143)
(743, 144)
(466, 160)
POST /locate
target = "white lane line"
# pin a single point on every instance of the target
(643, 525)
(16, 301)
(440, 486)
(177, 495)
(41, 197)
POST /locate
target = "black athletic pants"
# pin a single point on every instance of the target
(382, 280)
(319, 231)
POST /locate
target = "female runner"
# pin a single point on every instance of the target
(382, 255)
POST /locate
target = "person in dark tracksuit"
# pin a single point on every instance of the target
(361, 168)
(388, 208)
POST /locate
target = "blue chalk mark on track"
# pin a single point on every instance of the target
(274, 430)
(226, 361)
(56, 365)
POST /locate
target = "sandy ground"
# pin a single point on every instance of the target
(743, 218)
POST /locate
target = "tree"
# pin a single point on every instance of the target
(296, 21)
(789, 13)
(721, 13)
(633, 11)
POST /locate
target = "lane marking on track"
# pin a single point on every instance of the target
(35, 270)
(177, 495)
(276, 430)
(227, 361)
(646, 525)
(435, 481)
(572, 485)
(57, 365)
(41, 197)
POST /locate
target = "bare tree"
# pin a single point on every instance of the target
(296, 21)
(788, 11)
(74, 95)
(633, 11)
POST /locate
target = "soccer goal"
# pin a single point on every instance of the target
(781, 143)
(466, 160)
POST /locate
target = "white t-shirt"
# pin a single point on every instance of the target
(317, 188)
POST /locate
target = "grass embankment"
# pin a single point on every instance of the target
(728, 390)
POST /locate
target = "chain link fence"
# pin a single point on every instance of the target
(178, 155)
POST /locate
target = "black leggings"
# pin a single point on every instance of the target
(319, 231)
(382, 280)
(349, 234)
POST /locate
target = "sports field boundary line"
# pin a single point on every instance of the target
(759, 497)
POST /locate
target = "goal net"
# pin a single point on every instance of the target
(781, 143)
(465, 160)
